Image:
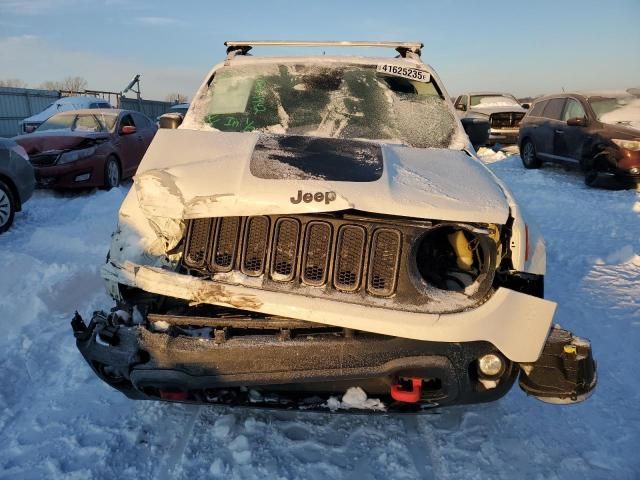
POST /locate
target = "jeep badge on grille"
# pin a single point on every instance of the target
(309, 197)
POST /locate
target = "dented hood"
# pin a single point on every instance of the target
(193, 174)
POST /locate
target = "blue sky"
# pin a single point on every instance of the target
(524, 47)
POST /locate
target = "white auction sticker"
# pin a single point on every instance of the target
(406, 72)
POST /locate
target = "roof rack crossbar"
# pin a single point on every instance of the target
(244, 46)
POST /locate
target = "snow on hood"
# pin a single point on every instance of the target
(628, 115)
(55, 140)
(194, 174)
(491, 108)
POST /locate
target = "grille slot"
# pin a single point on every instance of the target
(317, 252)
(285, 249)
(349, 255)
(197, 242)
(256, 238)
(383, 262)
(44, 159)
(226, 244)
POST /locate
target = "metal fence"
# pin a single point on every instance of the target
(17, 104)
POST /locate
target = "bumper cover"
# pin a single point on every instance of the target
(516, 323)
(292, 364)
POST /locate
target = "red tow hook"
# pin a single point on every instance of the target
(407, 396)
(174, 395)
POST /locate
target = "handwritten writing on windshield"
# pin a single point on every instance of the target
(257, 103)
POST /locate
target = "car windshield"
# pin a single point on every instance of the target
(617, 110)
(335, 100)
(493, 101)
(78, 123)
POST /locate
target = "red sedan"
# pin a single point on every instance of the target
(88, 148)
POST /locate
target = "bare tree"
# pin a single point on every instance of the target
(71, 84)
(176, 98)
(13, 82)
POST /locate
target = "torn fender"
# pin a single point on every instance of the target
(516, 323)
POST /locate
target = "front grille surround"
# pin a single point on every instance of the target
(44, 159)
(506, 119)
(307, 251)
(347, 257)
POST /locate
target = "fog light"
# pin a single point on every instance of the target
(634, 171)
(83, 178)
(490, 365)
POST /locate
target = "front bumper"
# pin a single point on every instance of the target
(65, 175)
(284, 363)
(503, 135)
(516, 323)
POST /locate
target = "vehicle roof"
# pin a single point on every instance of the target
(354, 59)
(76, 98)
(587, 94)
(95, 111)
(487, 93)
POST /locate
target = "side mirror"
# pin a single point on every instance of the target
(171, 120)
(477, 129)
(29, 129)
(577, 122)
(127, 130)
(526, 106)
(461, 106)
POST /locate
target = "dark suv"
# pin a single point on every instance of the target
(600, 132)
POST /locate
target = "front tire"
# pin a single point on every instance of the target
(112, 174)
(7, 207)
(529, 158)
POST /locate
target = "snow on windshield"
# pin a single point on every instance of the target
(617, 110)
(493, 101)
(74, 123)
(340, 101)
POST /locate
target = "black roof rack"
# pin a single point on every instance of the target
(242, 47)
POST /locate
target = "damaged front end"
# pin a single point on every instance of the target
(288, 311)
(219, 356)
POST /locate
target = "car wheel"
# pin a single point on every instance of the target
(7, 207)
(111, 173)
(529, 157)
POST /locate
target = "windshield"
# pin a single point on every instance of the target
(493, 101)
(617, 110)
(78, 123)
(340, 101)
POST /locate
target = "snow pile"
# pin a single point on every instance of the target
(59, 421)
(489, 155)
(355, 397)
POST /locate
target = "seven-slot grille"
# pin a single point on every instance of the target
(342, 255)
(506, 119)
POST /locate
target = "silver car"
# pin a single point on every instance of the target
(17, 181)
(502, 109)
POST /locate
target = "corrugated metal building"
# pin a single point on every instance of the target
(17, 104)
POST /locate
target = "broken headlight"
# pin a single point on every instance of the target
(75, 155)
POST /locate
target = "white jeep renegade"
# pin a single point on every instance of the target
(318, 223)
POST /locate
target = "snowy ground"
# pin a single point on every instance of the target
(57, 420)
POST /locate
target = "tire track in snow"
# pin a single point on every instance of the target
(175, 456)
(421, 442)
